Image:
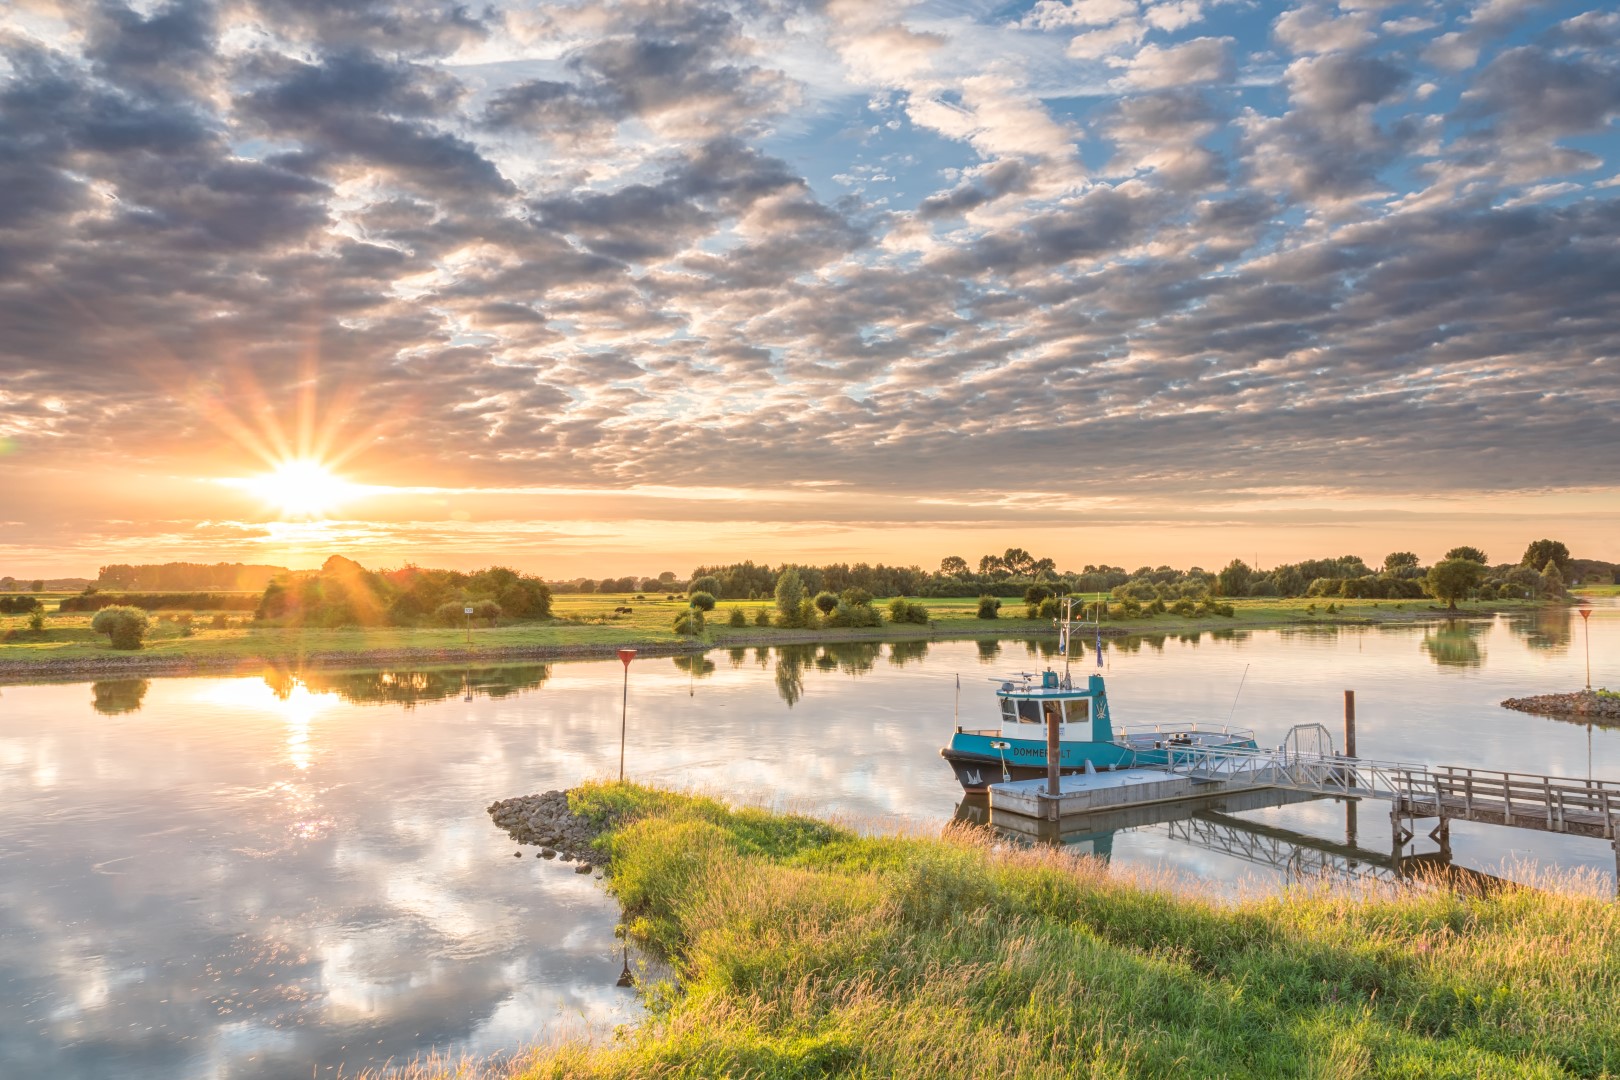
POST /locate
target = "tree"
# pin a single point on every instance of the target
(37, 585)
(953, 565)
(1552, 579)
(703, 601)
(1234, 580)
(1472, 554)
(1398, 563)
(1539, 553)
(988, 607)
(708, 583)
(825, 602)
(125, 626)
(789, 596)
(1450, 579)
(488, 610)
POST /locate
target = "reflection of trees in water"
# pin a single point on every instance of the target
(790, 674)
(850, 657)
(989, 651)
(112, 697)
(738, 654)
(903, 652)
(410, 688)
(1546, 628)
(697, 665)
(1455, 643)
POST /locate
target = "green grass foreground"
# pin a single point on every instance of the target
(803, 949)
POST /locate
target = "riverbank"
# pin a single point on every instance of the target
(595, 628)
(803, 948)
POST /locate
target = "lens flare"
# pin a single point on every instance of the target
(302, 488)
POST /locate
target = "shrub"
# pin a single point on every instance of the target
(124, 625)
(825, 602)
(737, 618)
(789, 598)
(762, 617)
(1051, 608)
(1184, 606)
(219, 622)
(488, 610)
(703, 600)
(449, 613)
(689, 621)
(847, 614)
(706, 584)
(856, 596)
(988, 607)
(902, 610)
(1156, 608)
(18, 605)
(36, 620)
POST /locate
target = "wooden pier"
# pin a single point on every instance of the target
(1306, 763)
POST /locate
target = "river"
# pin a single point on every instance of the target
(292, 875)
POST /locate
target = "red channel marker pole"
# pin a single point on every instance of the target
(625, 656)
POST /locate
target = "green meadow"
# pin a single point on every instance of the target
(801, 948)
(595, 624)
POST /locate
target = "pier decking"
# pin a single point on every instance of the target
(1306, 763)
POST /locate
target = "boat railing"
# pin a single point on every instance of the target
(1123, 731)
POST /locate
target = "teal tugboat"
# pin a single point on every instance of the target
(1087, 738)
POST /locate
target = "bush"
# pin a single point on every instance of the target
(488, 610)
(737, 618)
(988, 607)
(689, 621)
(1051, 608)
(762, 617)
(847, 614)
(706, 584)
(158, 601)
(902, 610)
(449, 613)
(36, 620)
(703, 600)
(219, 622)
(825, 602)
(124, 625)
(19, 605)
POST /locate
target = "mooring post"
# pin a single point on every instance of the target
(1052, 752)
(1349, 723)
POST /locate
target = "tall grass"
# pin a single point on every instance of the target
(802, 948)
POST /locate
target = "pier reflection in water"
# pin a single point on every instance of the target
(1284, 855)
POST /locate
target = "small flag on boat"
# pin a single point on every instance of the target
(1099, 647)
(1063, 642)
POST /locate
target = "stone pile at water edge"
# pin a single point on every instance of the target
(546, 821)
(1592, 703)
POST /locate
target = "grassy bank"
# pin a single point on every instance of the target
(589, 626)
(804, 949)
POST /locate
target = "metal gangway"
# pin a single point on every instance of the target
(1305, 761)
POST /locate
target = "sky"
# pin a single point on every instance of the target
(611, 288)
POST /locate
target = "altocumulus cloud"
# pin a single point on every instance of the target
(933, 248)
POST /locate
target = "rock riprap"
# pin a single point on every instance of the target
(1597, 704)
(545, 821)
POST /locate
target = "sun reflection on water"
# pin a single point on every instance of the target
(293, 703)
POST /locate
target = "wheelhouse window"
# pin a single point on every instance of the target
(1029, 712)
(1079, 711)
(1054, 712)
(1009, 711)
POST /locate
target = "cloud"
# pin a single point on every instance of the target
(606, 247)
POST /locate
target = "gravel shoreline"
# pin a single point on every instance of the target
(1580, 703)
(544, 821)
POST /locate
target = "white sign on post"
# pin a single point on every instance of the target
(466, 611)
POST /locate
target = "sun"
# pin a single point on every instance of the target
(302, 488)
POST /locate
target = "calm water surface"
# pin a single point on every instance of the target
(284, 876)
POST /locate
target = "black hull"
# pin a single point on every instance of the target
(976, 773)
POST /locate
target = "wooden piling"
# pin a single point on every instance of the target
(1052, 752)
(1349, 723)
